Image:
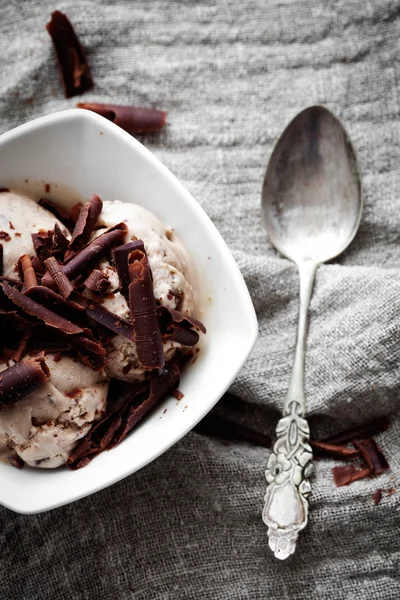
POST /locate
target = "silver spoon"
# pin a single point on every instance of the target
(311, 205)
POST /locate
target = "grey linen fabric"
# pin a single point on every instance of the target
(231, 74)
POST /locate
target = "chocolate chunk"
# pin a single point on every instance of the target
(60, 279)
(90, 254)
(359, 432)
(126, 413)
(59, 212)
(177, 327)
(220, 428)
(72, 61)
(120, 257)
(67, 308)
(23, 342)
(110, 320)
(1, 260)
(41, 313)
(97, 282)
(332, 450)
(372, 455)
(133, 119)
(85, 225)
(52, 243)
(5, 236)
(22, 379)
(142, 305)
(345, 475)
(28, 271)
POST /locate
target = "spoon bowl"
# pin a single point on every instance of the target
(312, 192)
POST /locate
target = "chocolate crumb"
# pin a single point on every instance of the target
(177, 394)
(17, 234)
(5, 236)
(11, 225)
(377, 496)
(345, 475)
(47, 188)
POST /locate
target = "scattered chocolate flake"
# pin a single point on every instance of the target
(52, 243)
(333, 451)
(5, 236)
(178, 394)
(60, 279)
(1, 259)
(345, 475)
(90, 254)
(110, 320)
(377, 496)
(220, 428)
(59, 212)
(17, 234)
(97, 282)
(15, 461)
(4, 189)
(372, 455)
(75, 211)
(133, 119)
(28, 271)
(11, 225)
(84, 226)
(47, 188)
(37, 265)
(120, 257)
(142, 305)
(72, 61)
(359, 432)
(43, 314)
(22, 379)
(176, 326)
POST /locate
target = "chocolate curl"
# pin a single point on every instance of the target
(176, 326)
(110, 321)
(72, 61)
(37, 266)
(59, 212)
(345, 475)
(43, 314)
(90, 254)
(127, 412)
(1, 259)
(22, 379)
(377, 496)
(120, 257)
(372, 455)
(85, 225)
(333, 451)
(97, 282)
(60, 279)
(359, 432)
(133, 119)
(142, 305)
(28, 271)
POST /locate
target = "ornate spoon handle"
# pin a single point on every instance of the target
(289, 465)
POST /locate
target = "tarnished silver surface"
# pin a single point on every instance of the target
(311, 204)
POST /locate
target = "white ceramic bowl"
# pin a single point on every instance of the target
(85, 152)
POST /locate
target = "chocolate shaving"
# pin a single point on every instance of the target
(11, 225)
(51, 243)
(372, 455)
(120, 257)
(67, 308)
(75, 211)
(22, 346)
(72, 61)
(377, 496)
(359, 432)
(220, 428)
(90, 254)
(41, 313)
(97, 282)
(176, 327)
(28, 271)
(60, 279)
(85, 225)
(110, 320)
(37, 265)
(59, 212)
(333, 451)
(1, 260)
(178, 395)
(126, 413)
(133, 119)
(22, 379)
(142, 305)
(5, 236)
(345, 475)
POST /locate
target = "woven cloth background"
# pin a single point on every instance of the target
(231, 74)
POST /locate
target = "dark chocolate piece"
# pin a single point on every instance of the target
(5, 236)
(333, 451)
(111, 321)
(134, 119)
(120, 257)
(43, 314)
(59, 212)
(345, 475)
(176, 326)
(85, 225)
(372, 455)
(28, 271)
(142, 305)
(72, 61)
(359, 432)
(37, 265)
(377, 496)
(90, 254)
(97, 282)
(60, 279)
(52, 243)
(220, 428)
(22, 379)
